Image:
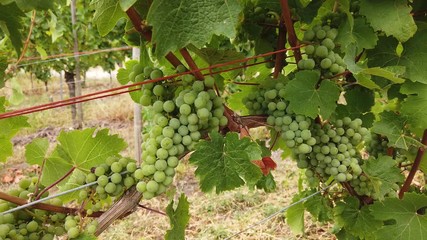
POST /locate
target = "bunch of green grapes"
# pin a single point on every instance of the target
(294, 129)
(320, 54)
(184, 110)
(33, 224)
(112, 177)
(335, 152)
(363, 186)
(376, 145)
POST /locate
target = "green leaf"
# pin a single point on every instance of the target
(413, 57)
(26, 5)
(359, 103)
(35, 152)
(55, 30)
(319, 207)
(391, 73)
(82, 149)
(390, 16)
(267, 183)
(408, 223)
(295, 217)
(361, 34)
(123, 73)
(393, 126)
(178, 218)
(126, 4)
(355, 220)
(306, 98)
(107, 14)
(415, 104)
(215, 56)
(181, 22)
(42, 52)
(11, 15)
(225, 163)
(383, 173)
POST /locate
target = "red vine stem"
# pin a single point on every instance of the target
(292, 37)
(151, 210)
(146, 33)
(56, 182)
(415, 166)
(187, 57)
(44, 206)
(27, 41)
(280, 57)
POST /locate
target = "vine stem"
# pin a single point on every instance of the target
(292, 37)
(415, 166)
(27, 41)
(278, 66)
(151, 210)
(146, 33)
(187, 57)
(56, 182)
(40, 176)
(43, 206)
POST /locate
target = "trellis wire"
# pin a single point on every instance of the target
(54, 58)
(52, 196)
(278, 212)
(73, 100)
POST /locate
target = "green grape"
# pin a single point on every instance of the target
(181, 69)
(321, 51)
(198, 86)
(327, 42)
(189, 98)
(161, 165)
(304, 148)
(138, 174)
(99, 171)
(158, 106)
(174, 123)
(110, 187)
(116, 178)
(166, 143)
(309, 49)
(156, 73)
(132, 76)
(193, 119)
(102, 180)
(209, 81)
(141, 187)
(321, 34)
(185, 109)
(173, 161)
(168, 132)
(147, 195)
(326, 63)
(129, 182)
(158, 90)
(159, 176)
(73, 232)
(168, 106)
(25, 183)
(203, 113)
(309, 63)
(148, 170)
(309, 35)
(116, 167)
(131, 167)
(152, 186)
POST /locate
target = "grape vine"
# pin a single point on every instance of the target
(345, 102)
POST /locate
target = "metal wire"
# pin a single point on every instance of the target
(278, 212)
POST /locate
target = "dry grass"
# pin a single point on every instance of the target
(212, 216)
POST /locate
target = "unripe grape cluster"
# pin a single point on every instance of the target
(183, 112)
(294, 129)
(376, 145)
(35, 224)
(335, 152)
(320, 53)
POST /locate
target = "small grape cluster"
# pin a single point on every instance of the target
(294, 129)
(112, 177)
(35, 224)
(321, 53)
(376, 145)
(183, 111)
(335, 152)
(363, 186)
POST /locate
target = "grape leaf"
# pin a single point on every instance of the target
(55, 30)
(123, 73)
(361, 34)
(409, 224)
(359, 103)
(295, 217)
(307, 99)
(25, 5)
(393, 126)
(82, 149)
(357, 221)
(319, 207)
(394, 18)
(9, 127)
(107, 14)
(178, 218)
(413, 57)
(415, 104)
(3, 67)
(126, 4)
(267, 183)
(11, 15)
(35, 152)
(383, 174)
(181, 22)
(225, 163)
